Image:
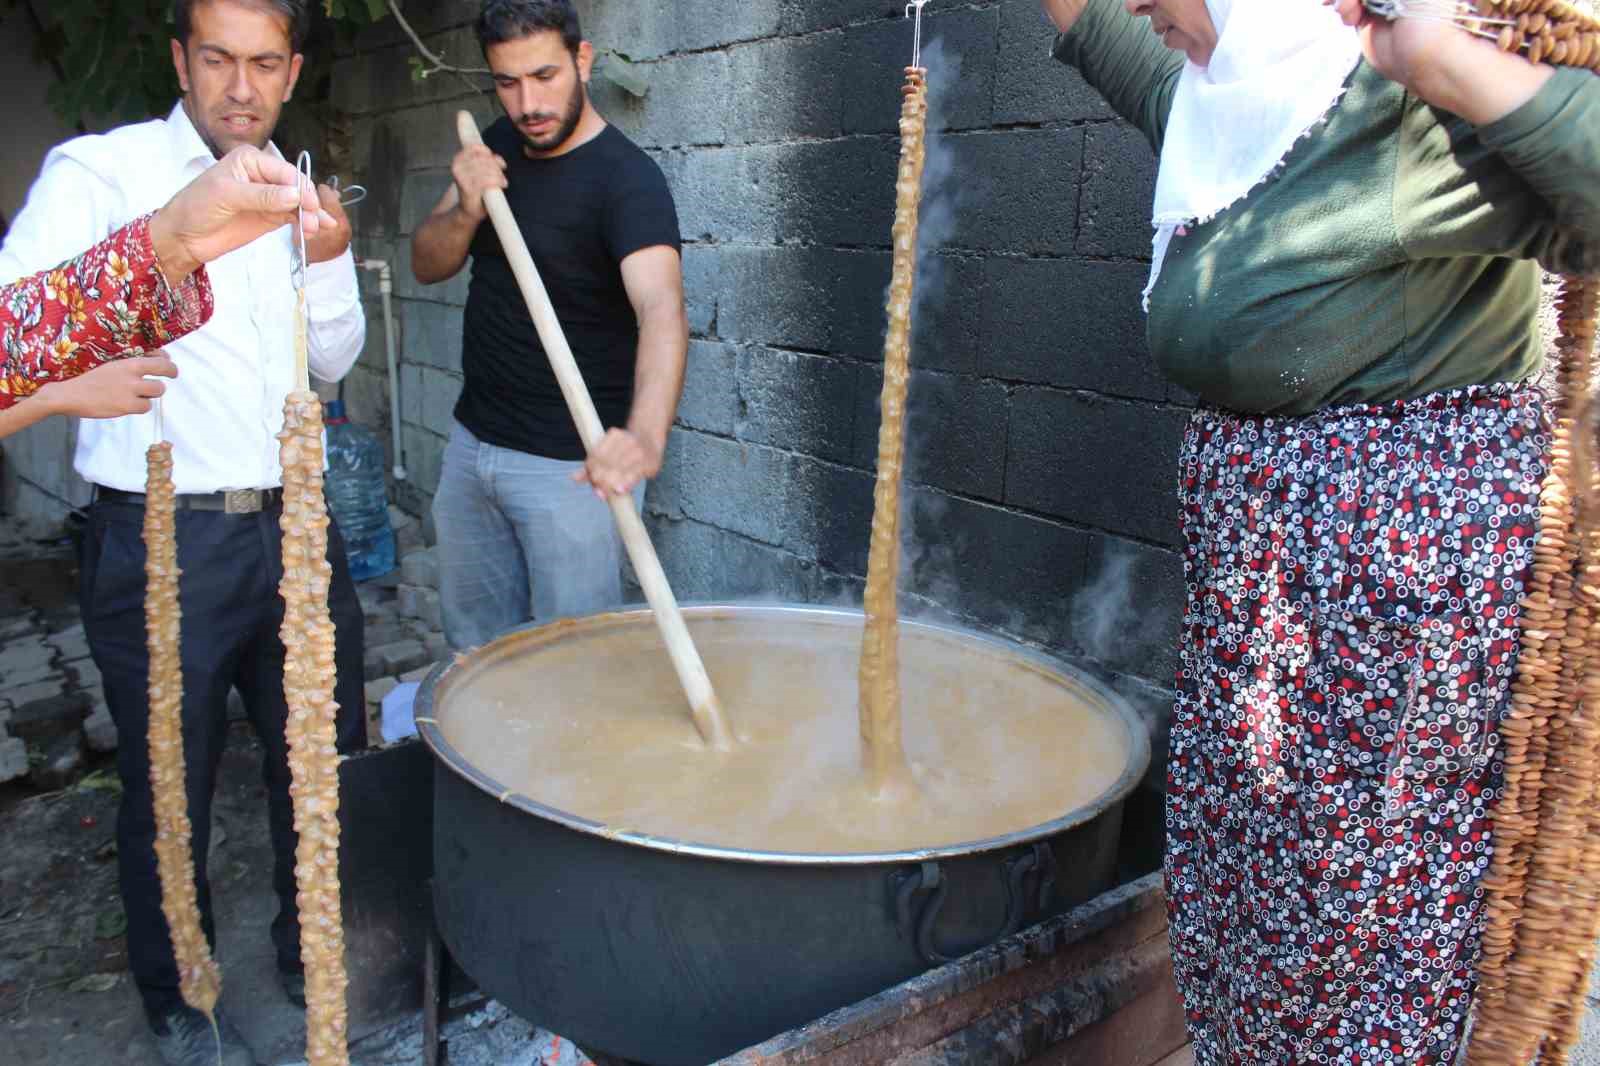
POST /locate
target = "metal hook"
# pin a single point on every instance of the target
(303, 168)
(914, 10)
(350, 195)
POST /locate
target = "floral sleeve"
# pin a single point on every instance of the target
(108, 303)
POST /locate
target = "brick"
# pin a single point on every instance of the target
(421, 568)
(400, 657)
(710, 388)
(955, 431)
(1066, 449)
(1030, 84)
(1020, 190)
(1095, 340)
(43, 720)
(13, 760)
(25, 662)
(802, 403)
(959, 49)
(100, 731)
(1119, 185)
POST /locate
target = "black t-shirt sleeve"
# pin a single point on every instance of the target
(640, 212)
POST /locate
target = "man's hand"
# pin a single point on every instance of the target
(331, 240)
(476, 170)
(110, 390)
(247, 194)
(618, 463)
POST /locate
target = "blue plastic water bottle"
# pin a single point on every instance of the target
(357, 496)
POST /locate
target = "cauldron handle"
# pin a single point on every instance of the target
(929, 877)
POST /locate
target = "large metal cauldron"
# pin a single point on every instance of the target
(665, 951)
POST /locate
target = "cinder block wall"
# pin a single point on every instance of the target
(1042, 449)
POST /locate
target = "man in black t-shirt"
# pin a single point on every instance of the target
(524, 532)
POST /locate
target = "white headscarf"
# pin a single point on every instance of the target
(1278, 69)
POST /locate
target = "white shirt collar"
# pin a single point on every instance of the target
(186, 144)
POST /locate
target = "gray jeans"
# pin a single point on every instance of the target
(519, 541)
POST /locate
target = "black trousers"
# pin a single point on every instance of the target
(231, 613)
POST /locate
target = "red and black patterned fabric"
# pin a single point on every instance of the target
(108, 303)
(1350, 637)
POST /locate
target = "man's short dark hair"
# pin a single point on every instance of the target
(296, 11)
(500, 21)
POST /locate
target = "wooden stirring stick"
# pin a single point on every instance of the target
(703, 705)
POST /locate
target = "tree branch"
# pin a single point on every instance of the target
(439, 64)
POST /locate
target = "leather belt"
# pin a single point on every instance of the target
(232, 501)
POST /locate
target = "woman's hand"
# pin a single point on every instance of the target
(1445, 65)
(247, 194)
(1064, 13)
(110, 390)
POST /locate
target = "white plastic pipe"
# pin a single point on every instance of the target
(386, 288)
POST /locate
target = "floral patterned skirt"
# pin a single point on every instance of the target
(1350, 636)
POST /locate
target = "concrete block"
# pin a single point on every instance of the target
(85, 674)
(421, 568)
(386, 632)
(417, 675)
(1119, 184)
(688, 103)
(17, 628)
(710, 389)
(706, 563)
(411, 394)
(839, 192)
(1066, 448)
(777, 296)
(439, 394)
(1030, 84)
(409, 600)
(377, 690)
(999, 569)
(24, 662)
(801, 403)
(100, 731)
(944, 322)
(1095, 340)
(399, 657)
(955, 431)
(959, 48)
(1019, 190)
(702, 287)
(424, 457)
(738, 194)
(788, 103)
(13, 760)
(1126, 613)
(436, 646)
(71, 648)
(431, 609)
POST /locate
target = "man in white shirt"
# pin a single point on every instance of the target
(237, 62)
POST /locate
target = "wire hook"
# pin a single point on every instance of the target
(303, 169)
(914, 10)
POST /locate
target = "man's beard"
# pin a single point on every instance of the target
(210, 141)
(569, 122)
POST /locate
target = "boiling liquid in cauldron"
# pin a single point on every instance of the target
(590, 719)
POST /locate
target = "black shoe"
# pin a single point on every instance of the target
(294, 986)
(185, 1038)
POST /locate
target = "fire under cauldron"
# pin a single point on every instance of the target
(648, 944)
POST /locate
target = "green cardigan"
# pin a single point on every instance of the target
(1392, 255)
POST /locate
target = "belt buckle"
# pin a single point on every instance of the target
(241, 501)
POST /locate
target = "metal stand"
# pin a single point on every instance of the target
(436, 1007)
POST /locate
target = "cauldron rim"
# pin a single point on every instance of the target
(1133, 772)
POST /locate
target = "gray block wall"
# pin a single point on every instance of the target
(1042, 442)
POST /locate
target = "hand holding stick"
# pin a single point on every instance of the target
(708, 717)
